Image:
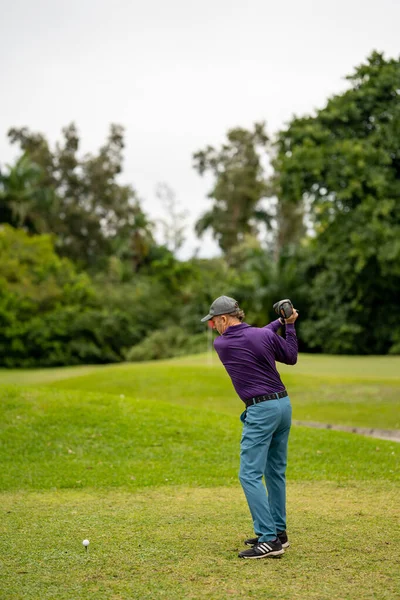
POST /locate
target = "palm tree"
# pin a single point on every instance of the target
(23, 200)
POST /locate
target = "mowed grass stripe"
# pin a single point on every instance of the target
(356, 391)
(183, 542)
(361, 368)
(314, 398)
(55, 439)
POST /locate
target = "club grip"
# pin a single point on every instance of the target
(284, 308)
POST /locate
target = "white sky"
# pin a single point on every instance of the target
(178, 74)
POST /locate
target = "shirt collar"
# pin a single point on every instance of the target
(233, 328)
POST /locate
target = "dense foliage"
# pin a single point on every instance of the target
(76, 198)
(344, 163)
(82, 279)
(45, 305)
(239, 187)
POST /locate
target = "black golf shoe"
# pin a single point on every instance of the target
(282, 535)
(264, 550)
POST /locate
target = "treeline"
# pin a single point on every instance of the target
(83, 280)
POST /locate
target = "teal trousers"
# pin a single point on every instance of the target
(263, 453)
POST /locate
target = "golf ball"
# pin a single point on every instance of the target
(86, 542)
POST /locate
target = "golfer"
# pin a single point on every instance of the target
(249, 354)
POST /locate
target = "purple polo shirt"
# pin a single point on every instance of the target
(249, 354)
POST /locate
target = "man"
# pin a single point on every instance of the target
(249, 354)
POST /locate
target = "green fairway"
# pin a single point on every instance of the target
(363, 391)
(142, 460)
(71, 439)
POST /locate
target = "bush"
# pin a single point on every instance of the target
(167, 343)
(52, 315)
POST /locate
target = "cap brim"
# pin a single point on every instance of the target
(206, 318)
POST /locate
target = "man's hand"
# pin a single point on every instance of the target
(292, 318)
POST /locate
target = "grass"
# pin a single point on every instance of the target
(182, 543)
(357, 391)
(71, 439)
(348, 390)
(142, 460)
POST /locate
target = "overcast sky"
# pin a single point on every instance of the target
(178, 74)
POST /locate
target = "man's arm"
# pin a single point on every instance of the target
(285, 350)
(274, 325)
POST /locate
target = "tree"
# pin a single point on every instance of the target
(52, 315)
(174, 222)
(344, 163)
(239, 186)
(24, 200)
(289, 226)
(95, 215)
(42, 299)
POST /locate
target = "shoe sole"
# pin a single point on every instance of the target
(274, 554)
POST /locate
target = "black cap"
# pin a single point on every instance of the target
(221, 306)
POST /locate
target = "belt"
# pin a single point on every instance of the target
(265, 397)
